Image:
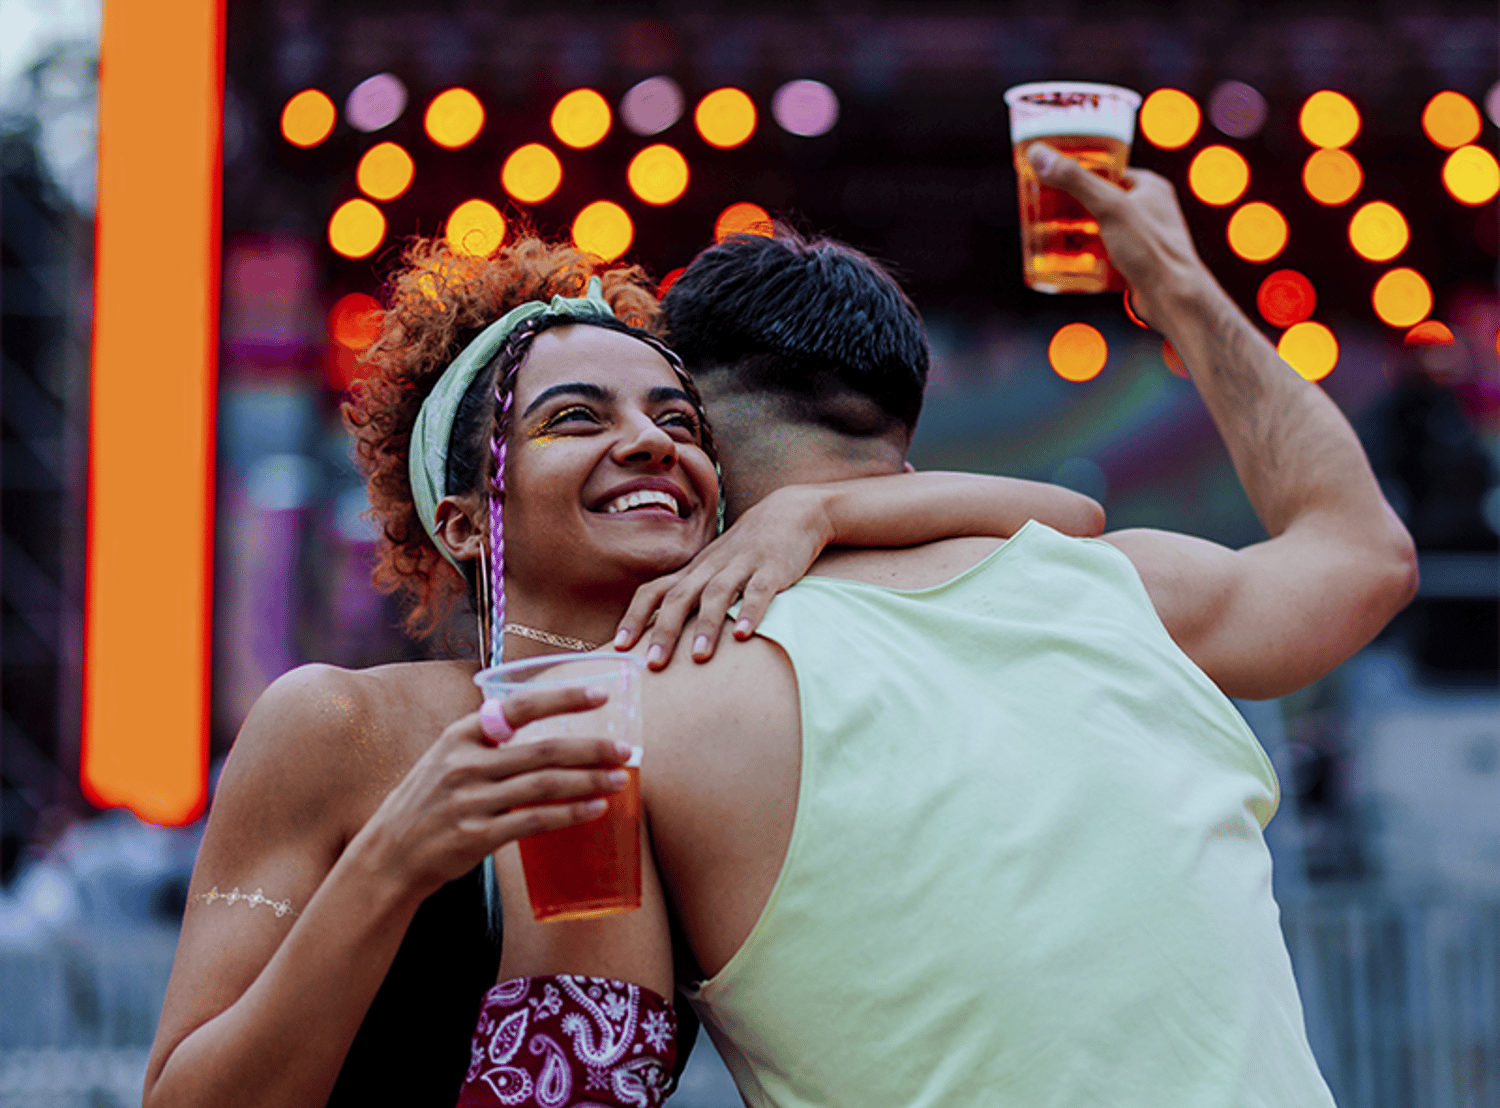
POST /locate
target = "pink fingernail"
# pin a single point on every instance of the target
(1042, 158)
(743, 628)
(622, 638)
(700, 645)
(654, 655)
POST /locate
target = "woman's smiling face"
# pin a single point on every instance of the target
(607, 483)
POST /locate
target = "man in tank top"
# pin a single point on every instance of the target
(976, 824)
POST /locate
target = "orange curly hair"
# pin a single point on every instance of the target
(437, 302)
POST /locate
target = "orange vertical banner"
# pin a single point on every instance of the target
(151, 431)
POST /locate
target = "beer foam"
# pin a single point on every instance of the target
(1071, 108)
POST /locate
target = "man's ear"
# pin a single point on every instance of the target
(460, 527)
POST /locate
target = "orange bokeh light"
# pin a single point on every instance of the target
(1329, 119)
(1257, 232)
(669, 280)
(1169, 118)
(1378, 231)
(1451, 120)
(658, 174)
(1430, 332)
(354, 322)
(1471, 175)
(531, 174)
(308, 118)
(454, 118)
(1310, 349)
(604, 229)
(475, 227)
(356, 229)
(743, 218)
(1218, 175)
(1402, 297)
(725, 118)
(1077, 352)
(1332, 177)
(1174, 360)
(1286, 297)
(385, 172)
(581, 119)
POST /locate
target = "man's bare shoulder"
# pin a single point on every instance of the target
(911, 567)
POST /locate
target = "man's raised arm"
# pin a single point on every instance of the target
(1268, 619)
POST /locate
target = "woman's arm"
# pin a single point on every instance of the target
(269, 986)
(775, 541)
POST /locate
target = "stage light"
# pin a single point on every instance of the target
(1332, 177)
(1402, 297)
(475, 227)
(308, 118)
(658, 174)
(669, 280)
(1451, 120)
(1077, 352)
(1237, 109)
(454, 118)
(581, 119)
(806, 108)
(385, 172)
(1257, 231)
(604, 229)
(1286, 297)
(743, 218)
(1378, 232)
(1471, 175)
(1218, 175)
(725, 118)
(652, 106)
(1310, 349)
(1430, 332)
(1329, 119)
(1169, 118)
(375, 103)
(356, 229)
(354, 322)
(1173, 360)
(531, 174)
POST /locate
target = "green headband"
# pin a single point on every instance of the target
(432, 433)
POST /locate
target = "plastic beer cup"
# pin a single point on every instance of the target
(1093, 124)
(591, 869)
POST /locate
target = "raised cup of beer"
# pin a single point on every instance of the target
(1093, 124)
(590, 869)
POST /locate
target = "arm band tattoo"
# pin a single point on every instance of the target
(254, 900)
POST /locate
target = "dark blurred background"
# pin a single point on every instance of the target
(1388, 841)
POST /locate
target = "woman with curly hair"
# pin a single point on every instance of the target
(335, 949)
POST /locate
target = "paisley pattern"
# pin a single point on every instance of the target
(564, 1041)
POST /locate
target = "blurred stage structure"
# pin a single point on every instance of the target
(1388, 841)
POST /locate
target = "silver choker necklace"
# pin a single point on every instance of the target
(562, 642)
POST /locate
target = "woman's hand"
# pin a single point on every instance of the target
(767, 549)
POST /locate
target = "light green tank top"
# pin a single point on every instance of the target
(1027, 865)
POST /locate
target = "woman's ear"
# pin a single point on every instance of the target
(460, 526)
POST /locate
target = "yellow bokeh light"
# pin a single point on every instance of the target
(604, 229)
(1329, 119)
(531, 174)
(385, 172)
(725, 118)
(1402, 297)
(658, 174)
(1310, 349)
(1378, 232)
(1169, 118)
(308, 118)
(581, 119)
(1332, 177)
(454, 118)
(1471, 175)
(743, 218)
(1077, 352)
(1218, 175)
(356, 229)
(1451, 120)
(475, 227)
(1257, 232)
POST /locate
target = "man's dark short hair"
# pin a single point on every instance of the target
(811, 321)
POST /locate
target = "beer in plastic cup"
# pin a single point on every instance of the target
(1093, 124)
(590, 869)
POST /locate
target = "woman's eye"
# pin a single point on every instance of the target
(572, 415)
(686, 421)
